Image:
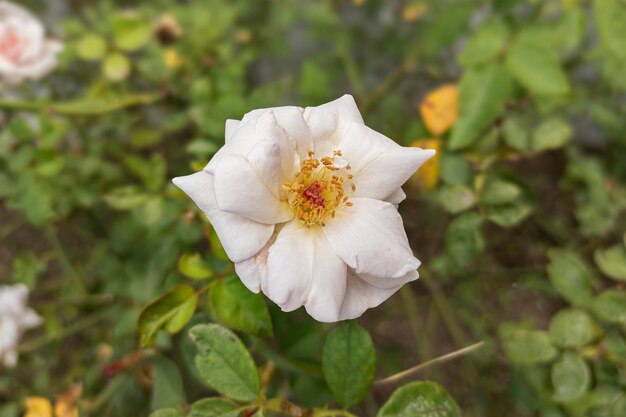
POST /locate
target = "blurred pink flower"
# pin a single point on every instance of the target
(24, 50)
(304, 202)
(15, 319)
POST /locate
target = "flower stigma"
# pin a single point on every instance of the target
(320, 188)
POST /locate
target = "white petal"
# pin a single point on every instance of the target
(379, 165)
(8, 9)
(253, 271)
(361, 295)
(370, 238)
(10, 358)
(396, 197)
(298, 137)
(265, 159)
(290, 118)
(328, 121)
(386, 282)
(304, 270)
(240, 190)
(240, 237)
(229, 130)
(30, 319)
(244, 138)
(249, 272)
(252, 131)
(13, 299)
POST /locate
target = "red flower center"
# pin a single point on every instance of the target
(313, 193)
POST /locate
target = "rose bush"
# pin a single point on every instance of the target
(518, 220)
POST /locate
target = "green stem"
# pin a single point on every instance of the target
(74, 328)
(22, 105)
(83, 301)
(285, 407)
(105, 395)
(410, 307)
(284, 363)
(443, 307)
(65, 261)
(351, 70)
(10, 228)
(408, 372)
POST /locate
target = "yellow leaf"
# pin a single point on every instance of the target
(413, 12)
(428, 173)
(358, 2)
(37, 407)
(440, 109)
(66, 404)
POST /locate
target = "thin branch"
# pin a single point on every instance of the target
(408, 372)
(76, 327)
(65, 260)
(443, 307)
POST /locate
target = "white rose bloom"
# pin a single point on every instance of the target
(15, 318)
(304, 202)
(24, 50)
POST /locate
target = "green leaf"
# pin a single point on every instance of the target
(515, 133)
(237, 307)
(455, 197)
(420, 399)
(91, 48)
(167, 389)
(193, 266)
(94, 106)
(116, 67)
(124, 198)
(224, 363)
(485, 44)
(152, 211)
(152, 171)
(610, 17)
(552, 133)
(537, 70)
(499, 191)
(509, 215)
(618, 406)
(454, 169)
(314, 82)
(571, 377)
(570, 276)
(34, 199)
(171, 312)
(349, 363)
(213, 407)
(563, 35)
(464, 239)
(612, 262)
(527, 347)
(445, 28)
(571, 328)
(610, 306)
(27, 267)
(483, 93)
(167, 412)
(131, 31)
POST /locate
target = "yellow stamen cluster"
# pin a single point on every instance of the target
(319, 189)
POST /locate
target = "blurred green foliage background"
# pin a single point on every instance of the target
(521, 230)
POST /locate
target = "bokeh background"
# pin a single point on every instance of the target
(519, 220)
